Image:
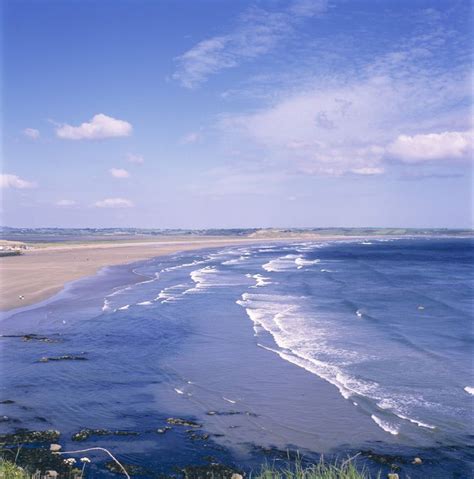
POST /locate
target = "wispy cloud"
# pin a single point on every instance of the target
(137, 159)
(257, 32)
(119, 173)
(32, 133)
(66, 203)
(99, 127)
(409, 103)
(114, 203)
(190, 138)
(14, 181)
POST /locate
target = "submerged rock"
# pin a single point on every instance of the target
(182, 422)
(66, 357)
(132, 469)
(163, 430)
(213, 470)
(7, 401)
(24, 436)
(85, 434)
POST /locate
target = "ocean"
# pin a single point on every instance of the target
(336, 348)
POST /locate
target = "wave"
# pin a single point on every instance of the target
(106, 305)
(283, 263)
(171, 293)
(260, 280)
(301, 262)
(288, 262)
(123, 308)
(469, 390)
(238, 260)
(386, 426)
(185, 265)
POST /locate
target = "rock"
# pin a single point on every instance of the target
(236, 476)
(417, 461)
(85, 434)
(211, 471)
(24, 436)
(393, 475)
(55, 447)
(182, 422)
(67, 357)
(163, 430)
(51, 474)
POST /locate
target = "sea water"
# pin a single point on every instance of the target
(320, 347)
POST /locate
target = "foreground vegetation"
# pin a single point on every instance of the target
(342, 470)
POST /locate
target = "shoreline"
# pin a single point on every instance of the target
(44, 269)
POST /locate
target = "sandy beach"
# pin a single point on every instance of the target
(42, 271)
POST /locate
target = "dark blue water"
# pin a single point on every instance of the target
(317, 347)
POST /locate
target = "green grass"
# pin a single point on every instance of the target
(9, 470)
(338, 470)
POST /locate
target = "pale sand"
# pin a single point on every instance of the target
(41, 272)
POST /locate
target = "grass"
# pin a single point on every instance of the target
(9, 470)
(322, 470)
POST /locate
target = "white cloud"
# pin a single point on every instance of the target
(334, 126)
(32, 133)
(449, 145)
(119, 173)
(114, 203)
(137, 159)
(99, 127)
(256, 33)
(192, 137)
(66, 203)
(14, 181)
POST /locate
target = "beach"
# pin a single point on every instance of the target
(43, 270)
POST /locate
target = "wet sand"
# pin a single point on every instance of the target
(43, 270)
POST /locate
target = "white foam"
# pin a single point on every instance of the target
(144, 303)
(178, 391)
(171, 293)
(469, 390)
(106, 306)
(229, 400)
(260, 280)
(283, 263)
(386, 426)
(302, 262)
(123, 308)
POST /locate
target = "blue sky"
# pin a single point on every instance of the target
(214, 113)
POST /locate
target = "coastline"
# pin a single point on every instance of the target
(44, 269)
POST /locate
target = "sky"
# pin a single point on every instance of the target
(227, 113)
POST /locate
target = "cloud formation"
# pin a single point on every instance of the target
(257, 32)
(119, 173)
(32, 133)
(14, 181)
(353, 121)
(137, 159)
(66, 203)
(449, 145)
(114, 203)
(190, 138)
(99, 127)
